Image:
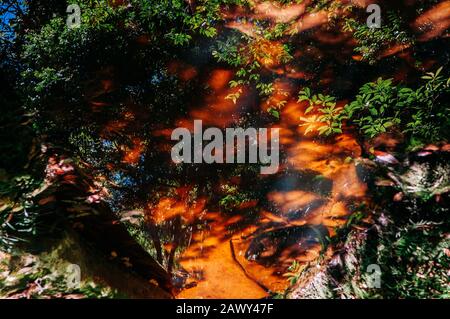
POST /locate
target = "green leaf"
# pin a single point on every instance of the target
(309, 109)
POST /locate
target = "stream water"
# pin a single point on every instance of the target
(241, 252)
(244, 253)
(214, 251)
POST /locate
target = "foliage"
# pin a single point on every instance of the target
(408, 240)
(381, 105)
(60, 62)
(17, 220)
(233, 197)
(330, 115)
(294, 272)
(416, 261)
(249, 55)
(372, 110)
(373, 41)
(413, 257)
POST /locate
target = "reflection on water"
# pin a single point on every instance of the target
(214, 252)
(240, 251)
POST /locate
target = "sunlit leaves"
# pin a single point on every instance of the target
(234, 96)
(328, 118)
(250, 55)
(265, 88)
(382, 105)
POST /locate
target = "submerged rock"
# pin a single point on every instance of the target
(265, 248)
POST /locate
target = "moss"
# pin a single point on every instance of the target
(53, 274)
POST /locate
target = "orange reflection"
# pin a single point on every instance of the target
(167, 208)
(215, 270)
(216, 257)
(434, 22)
(133, 154)
(182, 70)
(267, 53)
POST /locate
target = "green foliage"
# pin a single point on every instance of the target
(233, 197)
(230, 201)
(430, 107)
(329, 115)
(372, 41)
(381, 105)
(250, 55)
(294, 272)
(413, 256)
(276, 32)
(377, 107)
(415, 260)
(180, 19)
(420, 112)
(59, 63)
(18, 219)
